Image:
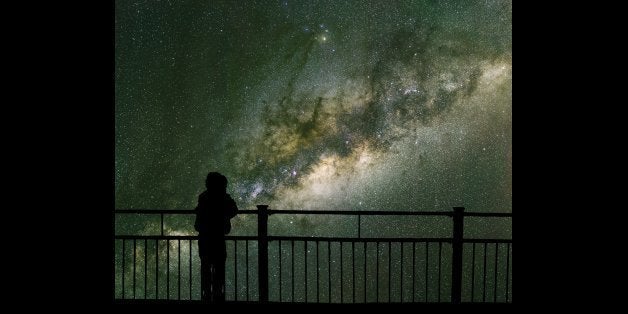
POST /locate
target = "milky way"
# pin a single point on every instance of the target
(358, 105)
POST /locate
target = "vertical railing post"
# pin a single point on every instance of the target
(162, 223)
(262, 240)
(456, 265)
(359, 225)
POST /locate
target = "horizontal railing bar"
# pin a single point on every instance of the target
(356, 240)
(288, 212)
(480, 214)
(318, 212)
(177, 237)
(487, 240)
(173, 301)
(155, 237)
(357, 213)
(288, 238)
(169, 211)
(332, 239)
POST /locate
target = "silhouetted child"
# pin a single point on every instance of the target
(213, 214)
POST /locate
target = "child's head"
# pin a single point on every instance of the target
(216, 182)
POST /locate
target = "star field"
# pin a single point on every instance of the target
(352, 105)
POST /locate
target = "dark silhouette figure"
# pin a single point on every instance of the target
(213, 220)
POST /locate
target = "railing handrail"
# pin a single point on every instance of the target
(319, 212)
(313, 238)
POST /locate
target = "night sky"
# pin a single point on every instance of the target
(352, 105)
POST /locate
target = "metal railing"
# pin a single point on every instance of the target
(359, 280)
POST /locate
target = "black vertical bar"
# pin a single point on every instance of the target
(359, 225)
(484, 288)
(365, 272)
(329, 270)
(495, 277)
(179, 269)
(317, 275)
(401, 275)
(473, 273)
(413, 269)
(190, 281)
(168, 248)
(377, 273)
(292, 267)
(235, 268)
(353, 271)
(427, 261)
(262, 237)
(279, 270)
(305, 259)
(247, 269)
(507, 267)
(156, 269)
(341, 277)
(456, 265)
(134, 257)
(389, 270)
(113, 270)
(168, 269)
(123, 262)
(440, 249)
(145, 267)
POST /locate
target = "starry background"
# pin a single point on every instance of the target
(352, 105)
